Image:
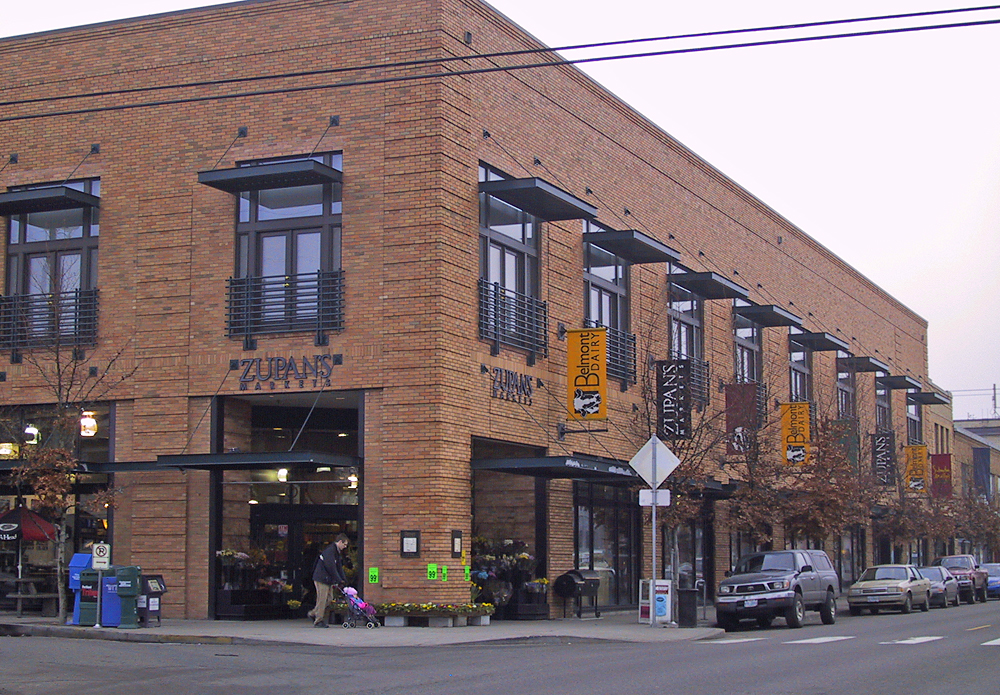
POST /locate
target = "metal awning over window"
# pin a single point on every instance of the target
(819, 342)
(768, 315)
(633, 246)
(897, 382)
(45, 200)
(575, 467)
(246, 460)
(540, 198)
(710, 286)
(928, 398)
(861, 364)
(275, 175)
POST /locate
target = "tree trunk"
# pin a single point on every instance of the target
(61, 570)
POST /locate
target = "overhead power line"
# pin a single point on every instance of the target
(490, 56)
(486, 70)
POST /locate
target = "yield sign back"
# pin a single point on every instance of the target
(666, 462)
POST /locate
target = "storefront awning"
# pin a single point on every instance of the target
(819, 342)
(246, 460)
(897, 382)
(710, 286)
(633, 246)
(861, 364)
(576, 467)
(540, 198)
(45, 200)
(274, 175)
(928, 398)
(768, 315)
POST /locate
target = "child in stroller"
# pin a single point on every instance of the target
(359, 611)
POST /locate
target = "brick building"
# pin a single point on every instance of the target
(341, 258)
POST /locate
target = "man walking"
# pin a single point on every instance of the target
(329, 571)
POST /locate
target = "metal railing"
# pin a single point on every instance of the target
(511, 318)
(285, 304)
(62, 319)
(621, 352)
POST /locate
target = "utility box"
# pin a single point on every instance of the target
(77, 564)
(149, 601)
(129, 589)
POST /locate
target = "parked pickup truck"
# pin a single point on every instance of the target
(972, 579)
(781, 583)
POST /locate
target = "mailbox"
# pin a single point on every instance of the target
(578, 584)
(77, 564)
(128, 593)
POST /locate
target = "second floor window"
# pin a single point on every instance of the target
(846, 392)
(747, 335)
(883, 410)
(914, 423)
(686, 327)
(800, 371)
(606, 280)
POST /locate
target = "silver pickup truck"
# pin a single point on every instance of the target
(778, 584)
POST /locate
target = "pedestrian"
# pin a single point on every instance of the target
(329, 571)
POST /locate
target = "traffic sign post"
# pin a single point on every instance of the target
(100, 561)
(654, 462)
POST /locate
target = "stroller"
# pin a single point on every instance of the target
(358, 611)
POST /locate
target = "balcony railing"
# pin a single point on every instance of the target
(621, 352)
(286, 304)
(510, 318)
(53, 321)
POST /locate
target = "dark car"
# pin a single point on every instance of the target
(778, 584)
(944, 586)
(993, 581)
(971, 578)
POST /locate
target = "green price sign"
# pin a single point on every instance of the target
(444, 573)
(373, 575)
(468, 573)
(432, 571)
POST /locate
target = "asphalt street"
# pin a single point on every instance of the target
(947, 651)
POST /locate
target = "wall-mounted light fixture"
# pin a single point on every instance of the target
(353, 480)
(31, 433)
(88, 424)
(282, 475)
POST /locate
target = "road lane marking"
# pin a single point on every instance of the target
(913, 640)
(992, 643)
(820, 640)
(736, 640)
(981, 627)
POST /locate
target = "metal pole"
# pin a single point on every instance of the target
(100, 590)
(652, 584)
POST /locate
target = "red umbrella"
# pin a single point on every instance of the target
(22, 523)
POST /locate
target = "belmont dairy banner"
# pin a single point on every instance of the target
(916, 468)
(796, 439)
(586, 381)
(941, 475)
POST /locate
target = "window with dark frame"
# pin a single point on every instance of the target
(606, 284)
(847, 405)
(914, 423)
(800, 359)
(883, 408)
(51, 274)
(511, 312)
(687, 335)
(287, 275)
(747, 337)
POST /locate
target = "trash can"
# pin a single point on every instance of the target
(87, 602)
(687, 608)
(78, 563)
(128, 593)
(148, 603)
(111, 605)
(578, 584)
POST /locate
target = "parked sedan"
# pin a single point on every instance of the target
(889, 586)
(944, 586)
(993, 581)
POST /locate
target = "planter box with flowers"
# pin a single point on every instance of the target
(503, 574)
(424, 614)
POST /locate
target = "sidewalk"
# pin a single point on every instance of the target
(616, 627)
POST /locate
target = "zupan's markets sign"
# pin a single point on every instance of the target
(274, 373)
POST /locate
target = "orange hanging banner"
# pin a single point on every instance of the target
(587, 374)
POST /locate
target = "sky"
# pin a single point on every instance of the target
(885, 148)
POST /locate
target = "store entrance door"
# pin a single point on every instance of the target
(292, 536)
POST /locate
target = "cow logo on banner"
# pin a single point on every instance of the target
(884, 457)
(587, 369)
(796, 439)
(741, 417)
(941, 475)
(916, 468)
(673, 399)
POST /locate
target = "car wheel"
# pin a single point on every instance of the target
(970, 596)
(727, 622)
(982, 595)
(854, 610)
(828, 611)
(926, 605)
(795, 613)
(765, 621)
(907, 604)
(874, 611)
(944, 603)
(958, 599)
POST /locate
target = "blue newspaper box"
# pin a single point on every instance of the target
(111, 605)
(78, 563)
